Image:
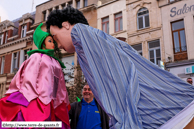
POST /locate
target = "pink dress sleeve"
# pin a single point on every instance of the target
(25, 79)
(35, 78)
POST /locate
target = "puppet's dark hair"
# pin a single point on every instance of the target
(70, 14)
(58, 53)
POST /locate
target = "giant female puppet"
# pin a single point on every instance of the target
(38, 92)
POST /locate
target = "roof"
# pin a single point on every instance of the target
(16, 23)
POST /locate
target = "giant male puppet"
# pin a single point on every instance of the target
(134, 92)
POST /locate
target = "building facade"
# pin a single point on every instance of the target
(112, 18)
(144, 29)
(15, 41)
(178, 35)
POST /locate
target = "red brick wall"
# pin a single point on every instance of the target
(4, 37)
(10, 76)
(18, 59)
(7, 83)
(19, 31)
(7, 63)
(10, 33)
(28, 26)
(29, 43)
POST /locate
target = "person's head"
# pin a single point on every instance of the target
(87, 94)
(60, 23)
(190, 80)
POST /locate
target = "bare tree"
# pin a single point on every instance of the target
(75, 83)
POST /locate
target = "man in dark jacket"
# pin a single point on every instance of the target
(88, 114)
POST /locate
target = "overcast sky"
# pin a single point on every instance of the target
(13, 9)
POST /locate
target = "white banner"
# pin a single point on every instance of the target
(32, 124)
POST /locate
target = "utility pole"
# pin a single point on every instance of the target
(32, 5)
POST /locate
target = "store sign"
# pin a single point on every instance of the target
(189, 70)
(174, 11)
(161, 64)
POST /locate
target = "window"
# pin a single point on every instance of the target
(1, 39)
(2, 64)
(15, 60)
(154, 51)
(105, 25)
(172, 1)
(85, 3)
(143, 18)
(138, 48)
(14, 63)
(70, 4)
(26, 54)
(23, 32)
(64, 5)
(23, 56)
(78, 4)
(6, 37)
(118, 22)
(44, 16)
(50, 10)
(178, 31)
(179, 40)
(57, 8)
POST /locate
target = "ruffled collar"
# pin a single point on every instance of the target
(49, 52)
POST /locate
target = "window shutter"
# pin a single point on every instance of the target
(121, 23)
(0, 63)
(147, 22)
(116, 25)
(140, 22)
(1, 41)
(22, 30)
(12, 57)
(158, 53)
(25, 28)
(21, 57)
(103, 27)
(108, 28)
(17, 59)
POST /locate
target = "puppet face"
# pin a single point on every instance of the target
(63, 36)
(49, 43)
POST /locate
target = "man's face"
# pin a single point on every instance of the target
(63, 37)
(190, 81)
(87, 93)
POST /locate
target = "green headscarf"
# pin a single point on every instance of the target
(38, 38)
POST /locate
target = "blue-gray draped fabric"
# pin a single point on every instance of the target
(133, 91)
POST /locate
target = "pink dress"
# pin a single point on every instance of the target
(37, 92)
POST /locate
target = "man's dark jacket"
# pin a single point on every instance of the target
(76, 110)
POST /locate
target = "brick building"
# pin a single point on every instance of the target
(15, 41)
